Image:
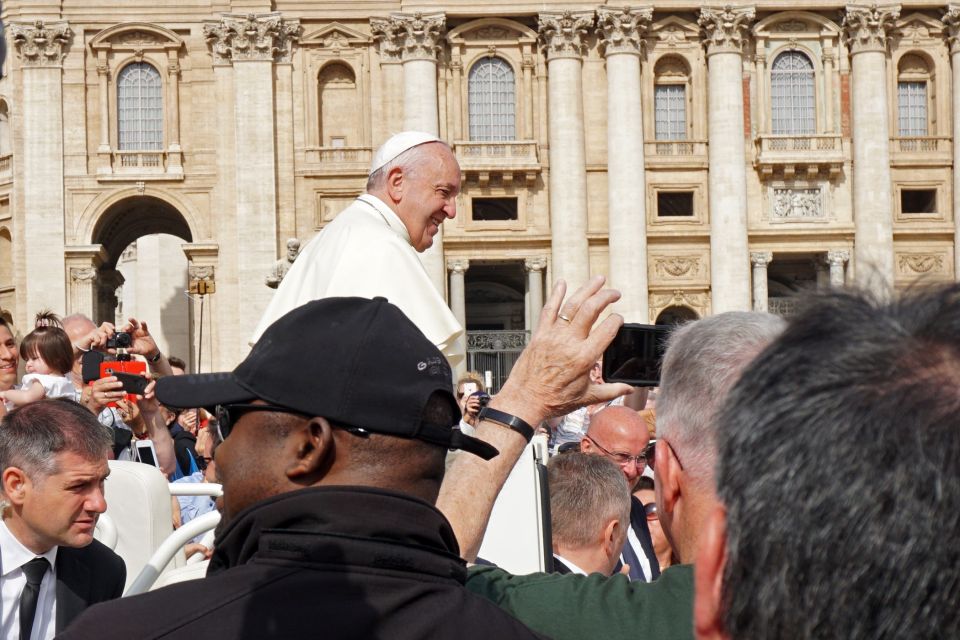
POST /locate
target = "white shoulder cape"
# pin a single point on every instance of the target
(366, 252)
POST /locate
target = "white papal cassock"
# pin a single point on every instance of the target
(366, 252)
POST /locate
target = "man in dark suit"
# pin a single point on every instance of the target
(53, 457)
(621, 435)
(589, 513)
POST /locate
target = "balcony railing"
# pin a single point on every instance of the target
(926, 144)
(675, 153)
(781, 143)
(789, 154)
(336, 160)
(6, 167)
(512, 153)
(921, 151)
(139, 161)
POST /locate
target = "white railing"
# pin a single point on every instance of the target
(139, 160)
(505, 152)
(922, 144)
(328, 155)
(819, 142)
(675, 148)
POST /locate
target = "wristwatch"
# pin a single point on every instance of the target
(155, 359)
(507, 420)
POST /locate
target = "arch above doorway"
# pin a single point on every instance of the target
(676, 314)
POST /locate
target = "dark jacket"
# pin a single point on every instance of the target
(324, 562)
(184, 447)
(86, 576)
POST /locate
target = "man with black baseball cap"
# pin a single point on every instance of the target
(335, 431)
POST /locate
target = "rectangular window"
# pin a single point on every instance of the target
(912, 108)
(670, 107)
(674, 204)
(918, 201)
(486, 209)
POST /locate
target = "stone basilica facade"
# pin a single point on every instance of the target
(705, 159)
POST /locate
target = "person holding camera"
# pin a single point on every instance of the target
(471, 396)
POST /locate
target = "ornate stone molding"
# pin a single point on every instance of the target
(724, 29)
(562, 33)
(205, 272)
(951, 20)
(761, 258)
(866, 28)
(458, 265)
(697, 301)
(409, 36)
(838, 258)
(677, 266)
(624, 30)
(41, 44)
(534, 264)
(83, 274)
(921, 263)
(265, 36)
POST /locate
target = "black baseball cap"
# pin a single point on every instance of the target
(354, 361)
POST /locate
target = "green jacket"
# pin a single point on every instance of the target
(574, 607)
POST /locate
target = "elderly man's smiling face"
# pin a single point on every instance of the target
(427, 194)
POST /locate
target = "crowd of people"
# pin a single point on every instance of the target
(804, 479)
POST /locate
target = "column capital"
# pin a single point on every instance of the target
(724, 28)
(761, 258)
(535, 264)
(111, 279)
(866, 27)
(951, 19)
(203, 272)
(623, 30)
(562, 32)
(838, 258)
(410, 36)
(251, 36)
(41, 44)
(83, 274)
(458, 265)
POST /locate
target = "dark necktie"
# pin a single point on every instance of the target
(34, 570)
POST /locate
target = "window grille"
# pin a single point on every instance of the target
(670, 105)
(912, 99)
(791, 88)
(491, 88)
(140, 108)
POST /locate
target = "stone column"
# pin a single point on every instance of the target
(103, 86)
(837, 260)
(622, 33)
(110, 280)
(41, 48)
(828, 60)
(724, 31)
(527, 66)
(458, 296)
(866, 29)
(251, 44)
(563, 39)
(535, 268)
(823, 274)
(760, 260)
(388, 46)
(82, 286)
(951, 19)
(175, 160)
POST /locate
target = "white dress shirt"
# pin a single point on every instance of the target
(13, 555)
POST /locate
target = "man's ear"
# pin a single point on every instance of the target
(395, 181)
(667, 486)
(586, 446)
(314, 450)
(611, 538)
(15, 483)
(708, 578)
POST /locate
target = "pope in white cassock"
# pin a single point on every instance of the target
(370, 249)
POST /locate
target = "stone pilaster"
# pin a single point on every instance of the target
(951, 19)
(82, 287)
(458, 296)
(761, 297)
(837, 261)
(252, 44)
(389, 49)
(866, 29)
(562, 35)
(622, 35)
(724, 33)
(535, 268)
(41, 47)
(208, 349)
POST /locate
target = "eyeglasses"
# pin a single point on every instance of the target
(228, 414)
(622, 459)
(650, 510)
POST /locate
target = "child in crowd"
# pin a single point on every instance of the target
(48, 356)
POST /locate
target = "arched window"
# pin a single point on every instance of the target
(339, 106)
(671, 77)
(913, 77)
(492, 101)
(139, 108)
(791, 88)
(6, 144)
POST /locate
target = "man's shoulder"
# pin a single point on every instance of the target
(96, 555)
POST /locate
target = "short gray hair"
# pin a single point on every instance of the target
(703, 360)
(32, 435)
(586, 492)
(410, 161)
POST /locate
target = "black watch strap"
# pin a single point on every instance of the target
(507, 420)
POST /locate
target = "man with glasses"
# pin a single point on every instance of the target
(335, 431)
(620, 434)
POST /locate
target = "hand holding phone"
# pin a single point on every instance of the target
(635, 354)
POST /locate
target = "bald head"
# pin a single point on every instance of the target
(618, 430)
(77, 326)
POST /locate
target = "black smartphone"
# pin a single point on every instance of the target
(635, 355)
(133, 384)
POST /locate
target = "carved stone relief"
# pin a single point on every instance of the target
(951, 19)
(677, 266)
(791, 26)
(866, 28)
(251, 37)
(623, 30)
(698, 301)
(563, 34)
(725, 29)
(790, 203)
(414, 36)
(921, 263)
(41, 44)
